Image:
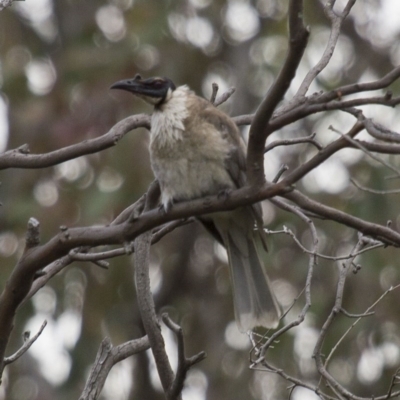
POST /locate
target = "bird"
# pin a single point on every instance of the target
(196, 150)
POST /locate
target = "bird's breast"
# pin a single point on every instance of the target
(188, 163)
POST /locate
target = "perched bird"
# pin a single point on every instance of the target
(196, 150)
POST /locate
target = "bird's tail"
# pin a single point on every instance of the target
(255, 303)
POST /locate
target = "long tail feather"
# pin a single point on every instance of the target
(255, 303)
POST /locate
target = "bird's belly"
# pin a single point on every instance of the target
(185, 179)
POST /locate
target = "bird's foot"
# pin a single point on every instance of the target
(165, 208)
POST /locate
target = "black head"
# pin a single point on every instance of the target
(152, 90)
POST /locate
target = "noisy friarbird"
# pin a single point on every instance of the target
(196, 151)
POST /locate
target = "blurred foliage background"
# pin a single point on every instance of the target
(57, 62)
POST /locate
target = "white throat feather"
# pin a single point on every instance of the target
(167, 119)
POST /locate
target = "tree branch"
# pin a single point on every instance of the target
(25, 347)
(260, 128)
(184, 364)
(336, 25)
(285, 115)
(22, 277)
(380, 232)
(262, 349)
(317, 354)
(107, 356)
(147, 311)
(19, 158)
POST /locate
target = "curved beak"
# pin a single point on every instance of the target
(134, 85)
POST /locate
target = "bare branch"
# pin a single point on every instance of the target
(184, 363)
(158, 235)
(147, 311)
(80, 243)
(317, 354)
(315, 107)
(281, 171)
(395, 381)
(336, 25)
(347, 314)
(380, 132)
(20, 281)
(367, 312)
(366, 151)
(380, 232)
(289, 232)
(107, 356)
(353, 88)
(261, 349)
(285, 142)
(224, 97)
(56, 266)
(294, 111)
(78, 255)
(378, 147)
(20, 159)
(298, 382)
(132, 212)
(25, 347)
(32, 237)
(260, 129)
(374, 191)
(242, 120)
(47, 273)
(215, 88)
(321, 156)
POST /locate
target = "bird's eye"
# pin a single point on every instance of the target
(157, 83)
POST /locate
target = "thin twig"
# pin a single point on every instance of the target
(184, 363)
(317, 354)
(289, 232)
(261, 351)
(287, 142)
(364, 150)
(107, 356)
(97, 257)
(395, 381)
(224, 97)
(295, 381)
(347, 314)
(25, 347)
(336, 25)
(367, 312)
(353, 88)
(168, 228)
(296, 174)
(215, 88)
(374, 191)
(282, 169)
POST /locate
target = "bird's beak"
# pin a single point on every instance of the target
(134, 85)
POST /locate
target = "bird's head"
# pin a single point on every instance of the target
(154, 91)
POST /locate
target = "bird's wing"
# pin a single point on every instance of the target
(236, 162)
